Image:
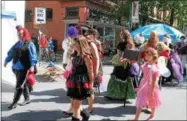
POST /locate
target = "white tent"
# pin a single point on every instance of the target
(9, 37)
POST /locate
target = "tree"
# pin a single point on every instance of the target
(121, 10)
(178, 10)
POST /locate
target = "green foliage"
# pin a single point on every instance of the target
(177, 8)
(122, 10)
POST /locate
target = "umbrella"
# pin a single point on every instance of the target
(161, 29)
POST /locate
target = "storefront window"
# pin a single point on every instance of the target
(109, 37)
(100, 32)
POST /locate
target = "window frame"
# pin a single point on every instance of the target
(70, 9)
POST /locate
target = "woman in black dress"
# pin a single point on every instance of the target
(80, 82)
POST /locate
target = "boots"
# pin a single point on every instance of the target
(17, 96)
(26, 96)
(75, 119)
(85, 115)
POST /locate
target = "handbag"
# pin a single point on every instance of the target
(30, 78)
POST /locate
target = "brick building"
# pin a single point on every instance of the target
(63, 13)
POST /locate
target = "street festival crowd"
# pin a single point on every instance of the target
(82, 60)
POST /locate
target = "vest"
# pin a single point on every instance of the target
(22, 55)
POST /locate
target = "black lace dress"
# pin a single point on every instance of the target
(78, 83)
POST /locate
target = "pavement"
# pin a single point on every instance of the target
(49, 100)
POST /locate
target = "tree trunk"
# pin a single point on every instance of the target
(172, 17)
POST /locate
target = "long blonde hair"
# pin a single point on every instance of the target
(84, 46)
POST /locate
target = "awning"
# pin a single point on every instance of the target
(6, 14)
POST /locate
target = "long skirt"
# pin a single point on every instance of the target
(117, 88)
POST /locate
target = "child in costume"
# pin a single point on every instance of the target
(148, 93)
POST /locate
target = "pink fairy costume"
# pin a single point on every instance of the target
(144, 91)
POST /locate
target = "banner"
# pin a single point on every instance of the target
(135, 12)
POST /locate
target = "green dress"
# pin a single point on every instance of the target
(120, 81)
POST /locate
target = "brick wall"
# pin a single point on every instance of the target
(56, 26)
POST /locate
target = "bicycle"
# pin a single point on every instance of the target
(48, 55)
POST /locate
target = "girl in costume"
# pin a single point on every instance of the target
(79, 82)
(148, 93)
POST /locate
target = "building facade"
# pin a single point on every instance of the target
(17, 7)
(64, 13)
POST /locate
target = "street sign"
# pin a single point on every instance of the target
(135, 12)
(40, 15)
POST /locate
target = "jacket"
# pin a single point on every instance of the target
(32, 55)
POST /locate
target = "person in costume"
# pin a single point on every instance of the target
(95, 47)
(148, 93)
(66, 44)
(24, 58)
(182, 50)
(162, 49)
(175, 66)
(80, 81)
(125, 36)
(120, 77)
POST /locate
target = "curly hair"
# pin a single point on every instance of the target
(126, 35)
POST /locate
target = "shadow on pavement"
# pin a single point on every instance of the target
(36, 116)
(44, 78)
(59, 93)
(115, 111)
(182, 85)
(4, 106)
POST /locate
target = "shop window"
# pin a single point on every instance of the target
(72, 12)
(49, 14)
(28, 15)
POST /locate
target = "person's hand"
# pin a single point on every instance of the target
(132, 61)
(122, 60)
(5, 64)
(31, 69)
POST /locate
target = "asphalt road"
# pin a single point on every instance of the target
(49, 100)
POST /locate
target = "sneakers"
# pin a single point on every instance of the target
(12, 106)
(25, 102)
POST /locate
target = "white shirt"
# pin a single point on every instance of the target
(167, 40)
(139, 39)
(66, 44)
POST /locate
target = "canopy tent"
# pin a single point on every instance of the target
(9, 37)
(161, 29)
